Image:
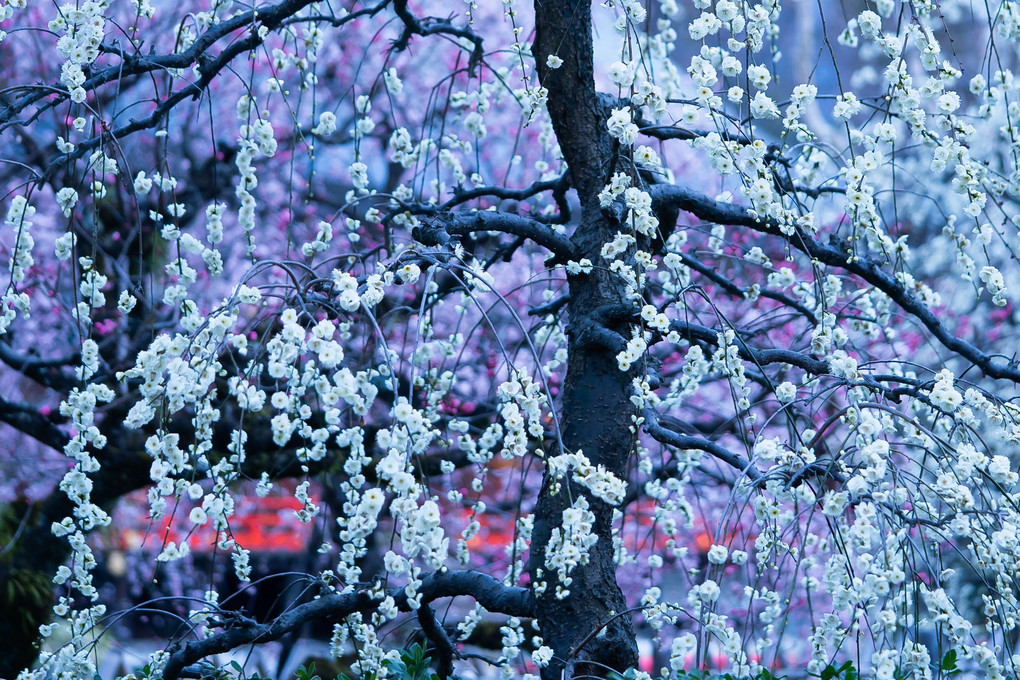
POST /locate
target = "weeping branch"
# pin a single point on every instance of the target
(438, 637)
(679, 440)
(47, 372)
(439, 229)
(29, 421)
(199, 53)
(486, 590)
(866, 268)
(729, 286)
(558, 186)
(432, 26)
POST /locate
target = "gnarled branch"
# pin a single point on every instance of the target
(671, 437)
(437, 230)
(864, 267)
(486, 590)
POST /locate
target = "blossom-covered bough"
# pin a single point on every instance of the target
(606, 323)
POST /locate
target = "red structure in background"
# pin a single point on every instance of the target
(259, 524)
(269, 525)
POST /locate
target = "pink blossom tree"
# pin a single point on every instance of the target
(708, 351)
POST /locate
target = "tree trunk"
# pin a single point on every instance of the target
(596, 421)
(597, 411)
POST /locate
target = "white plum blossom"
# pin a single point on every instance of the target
(621, 126)
(786, 392)
(326, 125)
(944, 395)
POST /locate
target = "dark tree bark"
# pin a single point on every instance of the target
(597, 412)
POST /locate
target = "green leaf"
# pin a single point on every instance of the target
(949, 661)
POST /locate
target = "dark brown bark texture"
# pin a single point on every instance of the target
(597, 412)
